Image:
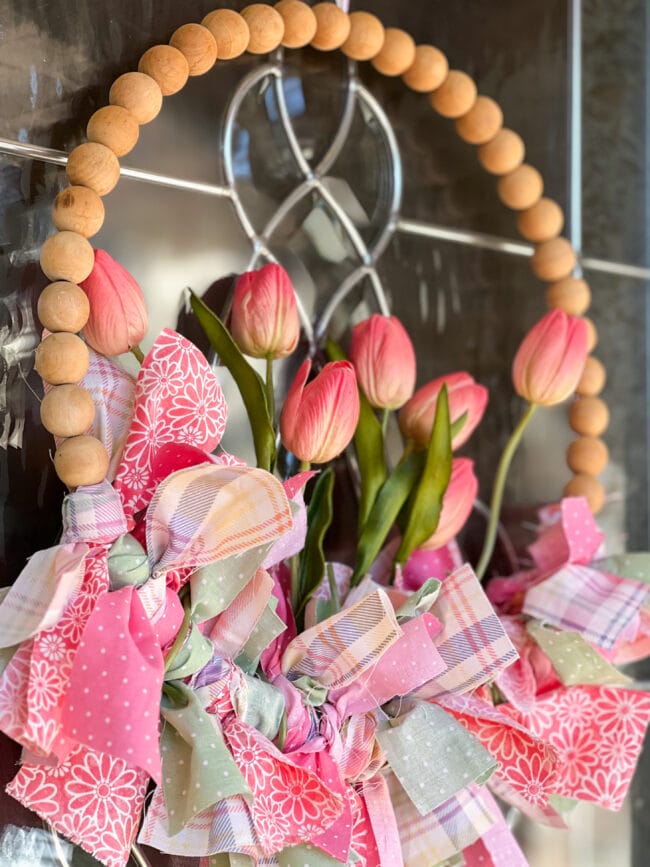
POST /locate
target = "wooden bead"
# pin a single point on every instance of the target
(397, 53)
(230, 32)
(586, 486)
(197, 45)
(589, 416)
(81, 460)
(67, 410)
(67, 256)
(62, 358)
(481, 123)
(503, 154)
(366, 36)
(78, 209)
(593, 378)
(137, 93)
(93, 165)
(266, 28)
(299, 23)
(332, 27)
(553, 260)
(521, 188)
(571, 295)
(587, 455)
(114, 127)
(167, 66)
(592, 334)
(541, 222)
(455, 96)
(428, 70)
(63, 307)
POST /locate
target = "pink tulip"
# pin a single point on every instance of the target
(118, 315)
(465, 396)
(456, 504)
(384, 361)
(551, 358)
(264, 318)
(319, 420)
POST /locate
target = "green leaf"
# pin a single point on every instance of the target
(319, 518)
(328, 607)
(427, 502)
(458, 425)
(249, 382)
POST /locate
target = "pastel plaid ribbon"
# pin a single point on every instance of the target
(93, 514)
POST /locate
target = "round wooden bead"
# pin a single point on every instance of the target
(197, 45)
(332, 27)
(114, 127)
(571, 295)
(67, 256)
(541, 222)
(81, 460)
(139, 94)
(366, 36)
(67, 410)
(455, 96)
(63, 307)
(167, 66)
(481, 123)
(587, 455)
(586, 486)
(428, 70)
(503, 154)
(592, 334)
(62, 358)
(589, 416)
(553, 260)
(397, 53)
(299, 23)
(266, 28)
(93, 165)
(230, 32)
(521, 188)
(593, 378)
(78, 209)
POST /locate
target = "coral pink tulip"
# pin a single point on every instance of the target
(465, 396)
(456, 504)
(264, 318)
(384, 361)
(319, 420)
(549, 363)
(118, 315)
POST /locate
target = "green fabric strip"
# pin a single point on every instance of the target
(635, 565)
(574, 659)
(215, 586)
(259, 704)
(306, 855)
(267, 628)
(193, 655)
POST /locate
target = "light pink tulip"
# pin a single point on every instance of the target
(319, 420)
(465, 396)
(549, 363)
(118, 314)
(384, 361)
(456, 504)
(264, 318)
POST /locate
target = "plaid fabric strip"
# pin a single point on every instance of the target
(473, 642)
(234, 626)
(596, 604)
(497, 847)
(93, 514)
(337, 650)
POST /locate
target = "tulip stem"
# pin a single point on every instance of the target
(270, 394)
(305, 466)
(384, 421)
(139, 354)
(499, 485)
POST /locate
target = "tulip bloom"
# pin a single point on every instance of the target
(264, 317)
(384, 361)
(118, 315)
(319, 420)
(551, 358)
(465, 396)
(457, 504)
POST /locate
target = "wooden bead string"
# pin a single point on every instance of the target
(135, 99)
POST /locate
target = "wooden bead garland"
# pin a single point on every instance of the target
(481, 123)
(67, 256)
(366, 36)
(299, 23)
(78, 209)
(62, 358)
(521, 188)
(197, 45)
(541, 222)
(230, 32)
(583, 485)
(93, 165)
(63, 307)
(589, 416)
(553, 260)
(167, 66)
(428, 70)
(455, 96)
(81, 460)
(115, 127)
(588, 455)
(67, 410)
(592, 334)
(593, 378)
(265, 26)
(503, 154)
(137, 93)
(571, 295)
(397, 53)
(332, 27)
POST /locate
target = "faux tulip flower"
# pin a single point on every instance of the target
(118, 315)
(318, 420)
(457, 503)
(384, 361)
(264, 317)
(551, 358)
(465, 396)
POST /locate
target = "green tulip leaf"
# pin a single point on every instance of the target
(249, 382)
(458, 425)
(427, 500)
(312, 558)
